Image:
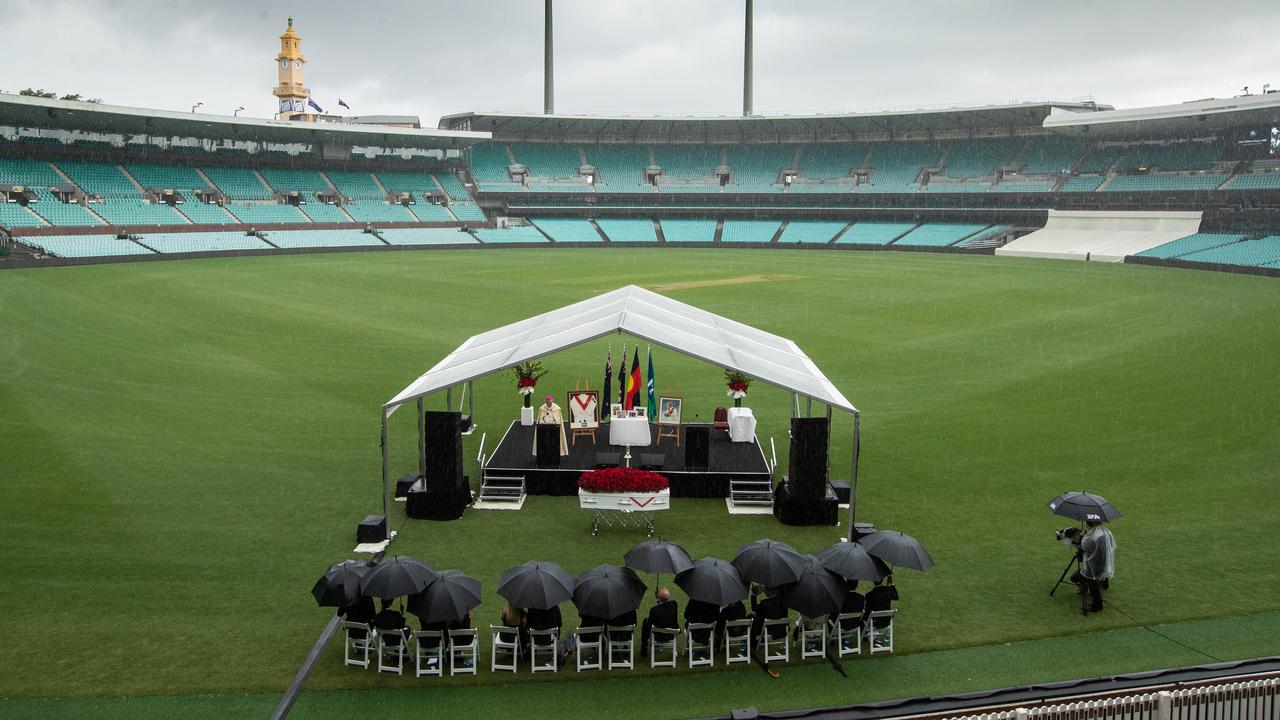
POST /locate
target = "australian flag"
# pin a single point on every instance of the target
(608, 384)
(314, 106)
(343, 104)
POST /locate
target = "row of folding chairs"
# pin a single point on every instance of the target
(427, 651)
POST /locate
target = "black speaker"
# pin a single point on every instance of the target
(548, 444)
(697, 447)
(444, 448)
(372, 529)
(808, 460)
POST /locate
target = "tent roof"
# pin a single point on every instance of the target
(647, 315)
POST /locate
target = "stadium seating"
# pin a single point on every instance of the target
(431, 212)
(266, 213)
(452, 186)
(811, 231)
(1051, 155)
(1100, 160)
(1172, 156)
(237, 183)
(320, 238)
(28, 173)
(1087, 183)
(688, 230)
(688, 188)
(513, 234)
(1262, 251)
(568, 229)
(548, 160)
(979, 158)
(202, 242)
(81, 246)
(180, 178)
(372, 211)
(137, 212)
(102, 179)
(939, 234)
(1255, 181)
(755, 188)
(14, 215)
(983, 235)
(1160, 183)
(874, 233)
(307, 182)
(411, 182)
(759, 166)
(325, 213)
(1023, 186)
(693, 161)
(59, 213)
(749, 231)
(936, 187)
(619, 167)
(500, 186)
(897, 165)
(825, 161)
(467, 212)
(1190, 244)
(206, 213)
(628, 229)
(356, 184)
(801, 187)
(489, 163)
(563, 186)
(426, 236)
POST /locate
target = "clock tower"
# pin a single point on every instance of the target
(291, 93)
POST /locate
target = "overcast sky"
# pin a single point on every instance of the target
(436, 57)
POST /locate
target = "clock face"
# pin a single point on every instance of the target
(297, 64)
(284, 64)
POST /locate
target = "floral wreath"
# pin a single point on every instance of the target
(622, 480)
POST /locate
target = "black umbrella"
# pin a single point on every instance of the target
(818, 592)
(658, 556)
(1083, 506)
(536, 585)
(401, 575)
(769, 563)
(608, 591)
(448, 599)
(851, 560)
(897, 549)
(714, 581)
(340, 584)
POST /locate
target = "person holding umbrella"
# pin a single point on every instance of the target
(389, 618)
(771, 608)
(1098, 563)
(880, 597)
(663, 615)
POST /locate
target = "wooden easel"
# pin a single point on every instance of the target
(574, 432)
(668, 431)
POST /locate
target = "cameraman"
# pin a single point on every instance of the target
(1098, 562)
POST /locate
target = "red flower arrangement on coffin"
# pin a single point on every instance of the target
(622, 480)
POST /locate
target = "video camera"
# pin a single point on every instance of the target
(1070, 536)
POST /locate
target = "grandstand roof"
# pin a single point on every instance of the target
(644, 314)
(34, 112)
(759, 127)
(1188, 117)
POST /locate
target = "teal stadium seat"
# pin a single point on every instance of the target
(1024, 186)
(1256, 181)
(267, 213)
(977, 237)
(814, 232)
(137, 212)
(935, 186)
(416, 184)
(182, 178)
(749, 231)
(896, 166)
(568, 229)
(426, 236)
(103, 179)
(237, 183)
(489, 162)
(517, 234)
(1087, 183)
(1100, 160)
(628, 229)
(356, 184)
(202, 213)
(873, 233)
(803, 187)
(688, 162)
(676, 230)
(321, 238)
(13, 215)
(979, 158)
(82, 246)
(431, 212)
(1190, 244)
(28, 173)
(1191, 155)
(758, 168)
(1255, 253)
(376, 211)
(939, 234)
(1163, 183)
(467, 212)
(452, 186)
(619, 168)
(325, 213)
(828, 161)
(700, 187)
(1051, 155)
(57, 212)
(308, 182)
(548, 160)
(202, 242)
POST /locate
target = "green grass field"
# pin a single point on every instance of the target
(187, 445)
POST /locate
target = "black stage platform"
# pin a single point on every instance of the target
(726, 460)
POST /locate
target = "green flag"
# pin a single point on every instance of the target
(653, 401)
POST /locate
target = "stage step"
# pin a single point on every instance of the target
(505, 492)
(752, 495)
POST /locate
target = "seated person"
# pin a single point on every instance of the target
(463, 624)
(388, 618)
(586, 621)
(663, 615)
(623, 620)
(360, 611)
(880, 597)
(854, 604)
(548, 619)
(771, 608)
(513, 617)
(701, 612)
(729, 613)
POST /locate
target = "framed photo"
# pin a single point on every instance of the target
(584, 409)
(669, 410)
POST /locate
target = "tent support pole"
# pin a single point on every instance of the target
(422, 440)
(808, 407)
(386, 486)
(448, 399)
(471, 402)
(853, 475)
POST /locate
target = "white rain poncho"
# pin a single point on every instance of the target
(1099, 547)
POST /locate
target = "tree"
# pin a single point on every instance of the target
(42, 93)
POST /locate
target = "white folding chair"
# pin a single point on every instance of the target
(880, 639)
(462, 652)
(701, 654)
(590, 647)
(428, 652)
(504, 641)
(621, 649)
(358, 640)
(813, 637)
(846, 630)
(543, 653)
(391, 644)
(663, 640)
(737, 641)
(775, 640)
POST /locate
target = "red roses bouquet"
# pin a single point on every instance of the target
(738, 384)
(622, 480)
(527, 375)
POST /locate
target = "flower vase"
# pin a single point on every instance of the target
(526, 416)
(737, 402)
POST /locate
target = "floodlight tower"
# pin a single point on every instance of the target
(548, 73)
(746, 64)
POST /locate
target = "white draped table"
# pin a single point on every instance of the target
(632, 431)
(742, 425)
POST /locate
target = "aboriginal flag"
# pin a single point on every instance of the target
(633, 382)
